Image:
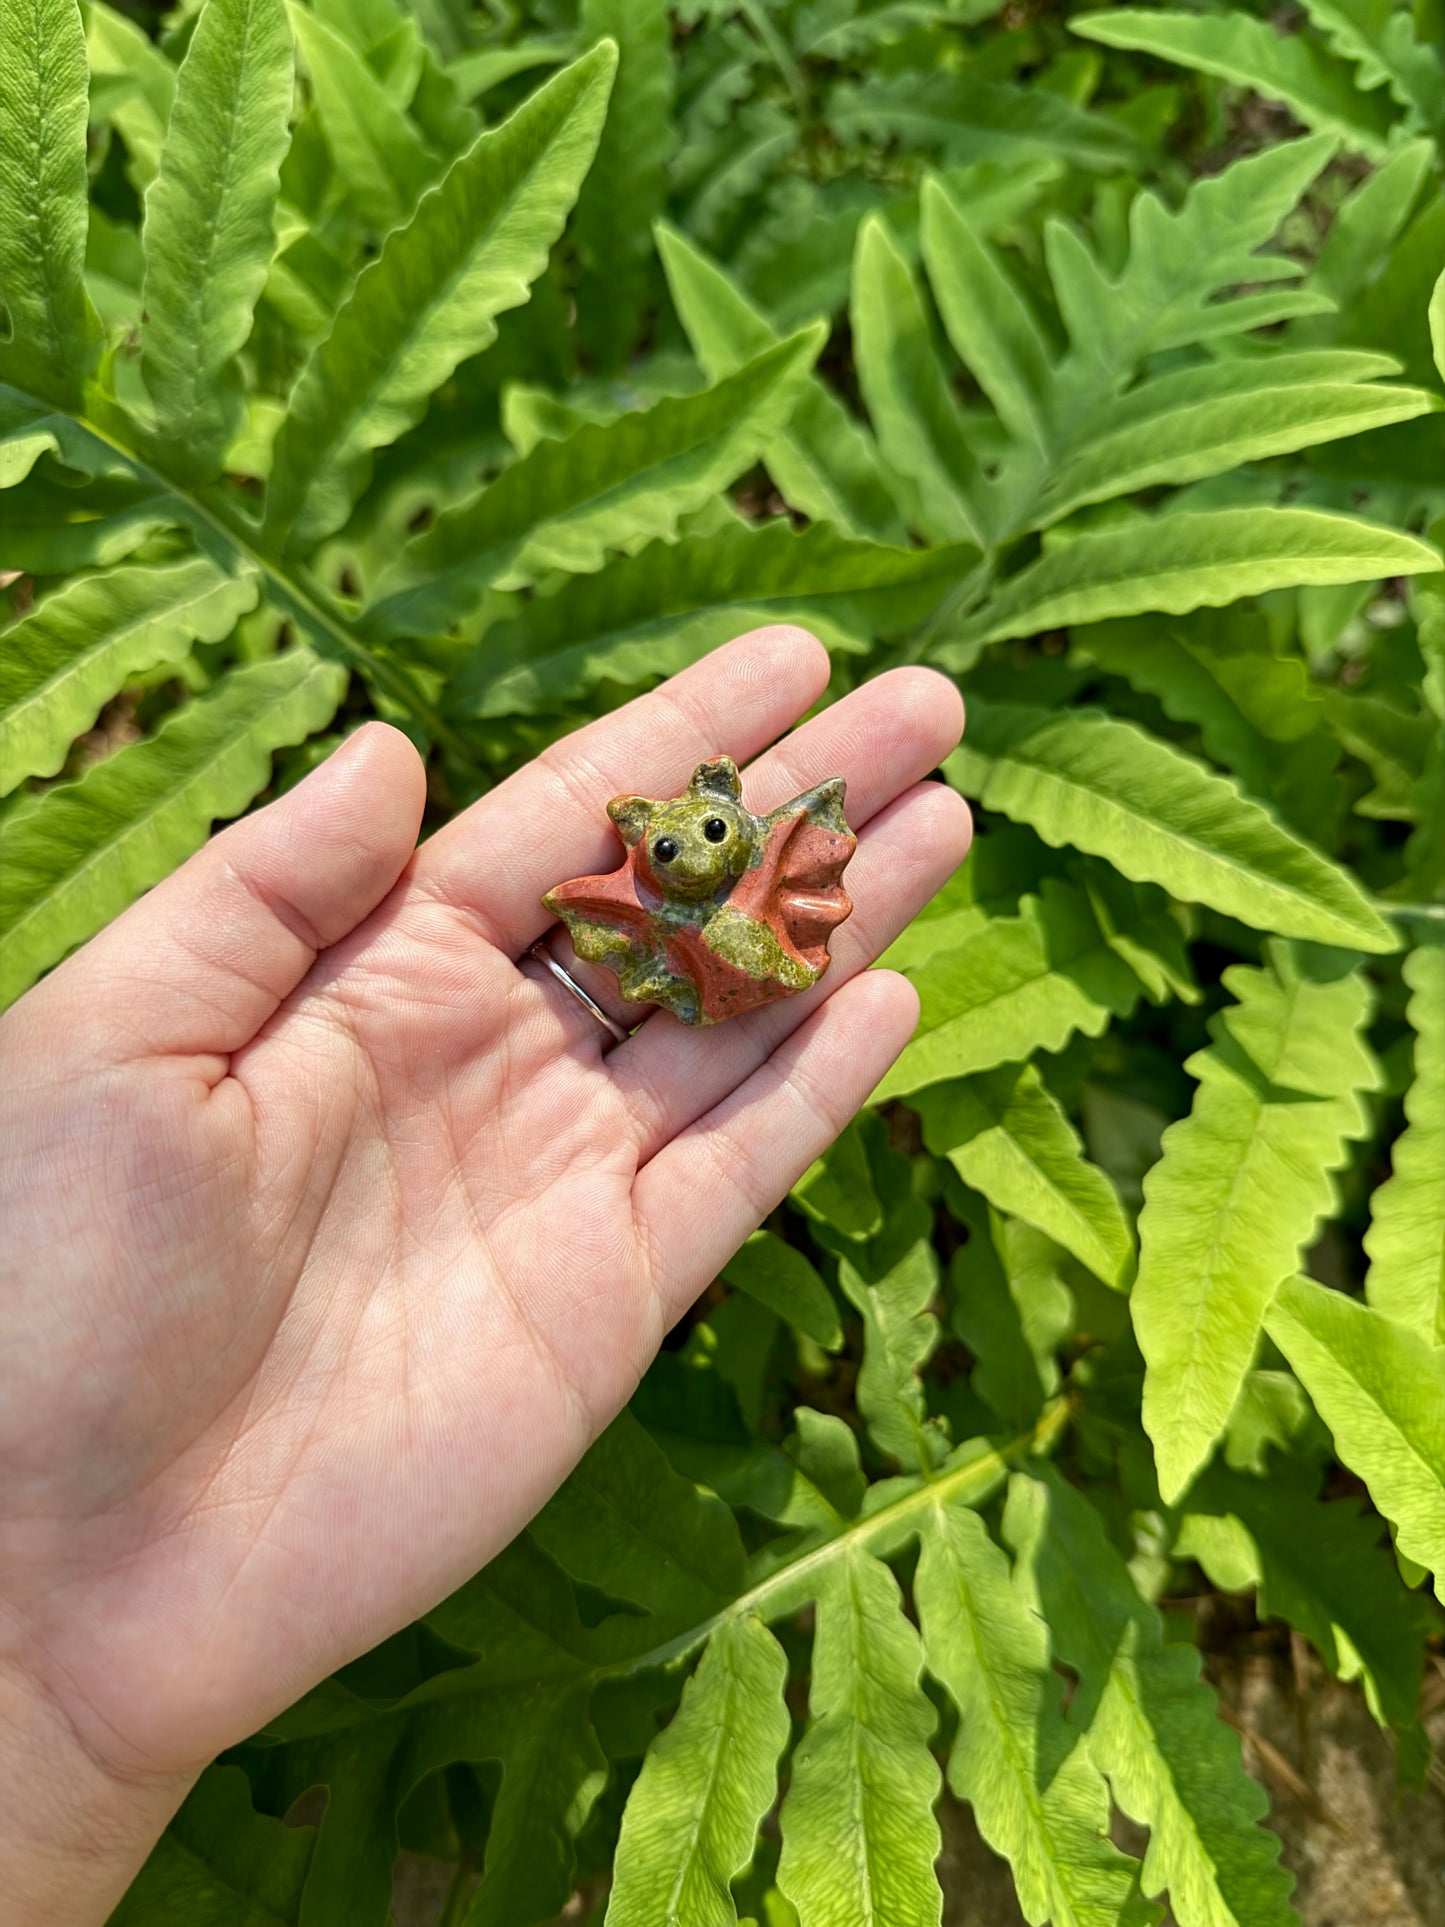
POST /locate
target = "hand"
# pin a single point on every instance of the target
(333, 1240)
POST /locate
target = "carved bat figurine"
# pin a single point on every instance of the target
(715, 911)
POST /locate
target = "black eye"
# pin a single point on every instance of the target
(664, 850)
(714, 829)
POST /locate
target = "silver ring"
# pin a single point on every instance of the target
(543, 955)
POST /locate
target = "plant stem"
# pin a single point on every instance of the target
(1411, 912)
(779, 1592)
(303, 602)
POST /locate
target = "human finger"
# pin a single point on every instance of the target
(201, 961)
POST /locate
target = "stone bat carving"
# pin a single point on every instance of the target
(715, 911)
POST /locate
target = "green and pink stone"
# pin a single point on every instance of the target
(715, 911)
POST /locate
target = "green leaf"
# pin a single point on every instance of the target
(647, 616)
(978, 120)
(30, 428)
(220, 1864)
(779, 1276)
(1007, 1136)
(1366, 225)
(989, 323)
(1180, 284)
(1256, 711)
(131, 87)
(1011, 1308)
(430, 299)
(891, 1281)
(1036, 1794)
(837, 1190)
(1207, 420)
(208, 225)
(564, 505)
(1381, 1391)
(1321, 91)
(78, 855)
(627, 186)
(53, 337)
(1186, 560)
(370, 1758)
(859, 1837)
(1017, 985)
(692, 1817)
(1152, 1722)
(64, 661)
(52, 527)
(825, 464)
(1106, 786)
(1379, 38)
(379, 152)
(1322, 1568)
(625, 1523)
(916, 418)
(1242, 1184)
(1406, 1239)
(1392, 742)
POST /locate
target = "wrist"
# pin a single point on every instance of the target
(74, 1829)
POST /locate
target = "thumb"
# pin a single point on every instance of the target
(203, 960)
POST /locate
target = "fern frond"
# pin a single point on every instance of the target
(1181, 561)
(1011, 1308)
(1038, 1797)
(920, 429)
(779, 1276)
(1406, 1239)
(1320, 90)
(891, 1282)
(569, 501)
(1018, 985)
(1241, 1185)
(1203, 421)
(859, 1837)
(53, 337)
(1106, 786)
(381, 159)
(825, 464)
(208, 232)
(430, 298)
(1152, 1722)
(64, 661)
(1008, 1138)
(1380, 42)
(627, 1524)
(969, 119)
(133, 85)
(1381, 1391)
(625, 187)
(1256, 711)
(78, 855)
(646, 616)
(1322, 1568)
(691, 1820)
(249, 1862)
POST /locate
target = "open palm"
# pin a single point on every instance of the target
(333, 1237)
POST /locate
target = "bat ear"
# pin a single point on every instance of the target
(718, 776)
(630, 814)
